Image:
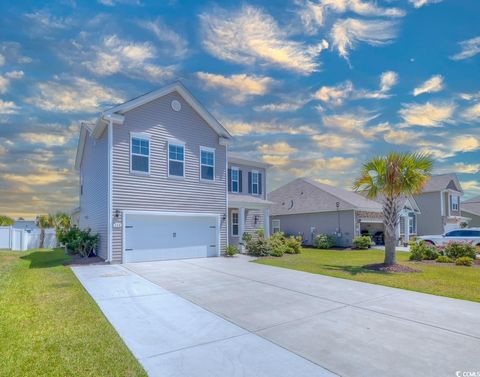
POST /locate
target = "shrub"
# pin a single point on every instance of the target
(421, 250)
(444, 259)
(457, 250)
(246, 237)
(258, 248)
(362, 242)
(324, 241)
(260, 233)
(293, 244)
(78, 241)
(464, 261)
(231, 250)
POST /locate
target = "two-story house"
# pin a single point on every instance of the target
(439, 205)
(156, 182)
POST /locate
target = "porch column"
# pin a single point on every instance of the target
(406, 231)
(397, 233)
(241, 223)
(266, 222)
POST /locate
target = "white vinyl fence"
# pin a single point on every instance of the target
(20, 239)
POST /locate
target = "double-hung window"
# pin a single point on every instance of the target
(235, 180)
(176, 159)
(413, 223)
(255, 183)
(234, 223)
(454, 201)
(276, 226)
(207, 164)
(140, 153)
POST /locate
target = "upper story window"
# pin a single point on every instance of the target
(140, 153)
(176, 159)
(454, 200)
(235, 180)
(207, 164)
(255, 184)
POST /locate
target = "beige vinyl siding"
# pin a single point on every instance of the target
(158, 192)
(430, 220)
(94, 200)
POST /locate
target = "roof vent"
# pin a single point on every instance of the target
(176, 105)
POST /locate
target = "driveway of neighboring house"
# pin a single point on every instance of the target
(229, 317)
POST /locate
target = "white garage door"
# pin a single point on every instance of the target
(150, 237)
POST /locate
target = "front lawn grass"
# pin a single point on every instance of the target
(438, 279)
(50, 326)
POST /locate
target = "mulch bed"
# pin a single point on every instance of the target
(384, 268)
(77, 260)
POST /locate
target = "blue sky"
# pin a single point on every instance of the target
(314, 87)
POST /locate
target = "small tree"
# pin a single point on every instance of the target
(6, 221)
(392, 177)
(43, 222)
(61, 222)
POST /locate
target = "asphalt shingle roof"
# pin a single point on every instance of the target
(442, 182)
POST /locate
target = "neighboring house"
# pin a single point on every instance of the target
(471, 209)
(307, 208)
(27, 225)
(154, 180)
(439, 205)
(247, 204)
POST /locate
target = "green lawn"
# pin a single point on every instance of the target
(50, 326)
(443, 280)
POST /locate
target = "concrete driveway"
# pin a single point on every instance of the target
(229, 317)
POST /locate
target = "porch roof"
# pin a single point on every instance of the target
(247, 201)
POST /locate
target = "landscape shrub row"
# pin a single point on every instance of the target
(78, 241)
(462, 253)
(277, 245)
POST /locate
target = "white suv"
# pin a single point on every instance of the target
(471, 235)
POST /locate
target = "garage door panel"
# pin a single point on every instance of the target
(161, 237)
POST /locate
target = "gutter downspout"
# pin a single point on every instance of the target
(110, 157)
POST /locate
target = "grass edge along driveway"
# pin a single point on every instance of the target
(438, 279)
(50, 326)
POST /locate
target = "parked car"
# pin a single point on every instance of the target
(471, 235)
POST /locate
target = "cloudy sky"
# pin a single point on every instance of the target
(314, 87)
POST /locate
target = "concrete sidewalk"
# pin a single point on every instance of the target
(173, 337)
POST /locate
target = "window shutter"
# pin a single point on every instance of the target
(240, 183)
(249, 182)
(229, 180)
(260, 183)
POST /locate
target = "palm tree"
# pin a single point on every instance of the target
(6, 221)
(392, 177)
(43, 222)
(61, 222)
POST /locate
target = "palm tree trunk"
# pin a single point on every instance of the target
(42, 238)
(391, 218)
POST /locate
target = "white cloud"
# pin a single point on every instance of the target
(432, 85)
(8, 107)
(471, 185)
(427, 115)
(2, 60)
(282, 148)
(178, 44)
(469, 48)
(77, 95)
(311, 167)
(251, 36)
(117, 56)
(337, 142)
(472, 113)
(334, 95)
(402, 137)
(43, 138)
(6, 79)
(421, 3)
(466, 143)
(388, 80)
(347, 33)
(240, 128)
(280, 107)
(352, 123)
(240, 87)
(45, 20)
(312, 14)
(461, 167)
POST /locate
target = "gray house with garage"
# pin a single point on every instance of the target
(307, 208)
(157, 180)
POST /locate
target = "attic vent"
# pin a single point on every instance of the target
(176, 105)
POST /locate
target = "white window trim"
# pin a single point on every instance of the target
(276, 221)
(238, 222)
(258, 182)
(412, 222)
(238, 179)
(457, 204)
(177, 143)
(143, 136)
(212, 150)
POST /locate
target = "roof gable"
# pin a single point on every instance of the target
(443, 182)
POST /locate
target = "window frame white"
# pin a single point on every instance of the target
(257, 174)
(140, 136)
(176, 143)
(454, 206)
(209, 150)
(233, 223)
(276, 221)
(236, 169)
(412, 223)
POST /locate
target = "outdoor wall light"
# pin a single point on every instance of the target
(224, 217)
(255, 219)
(117, 213)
